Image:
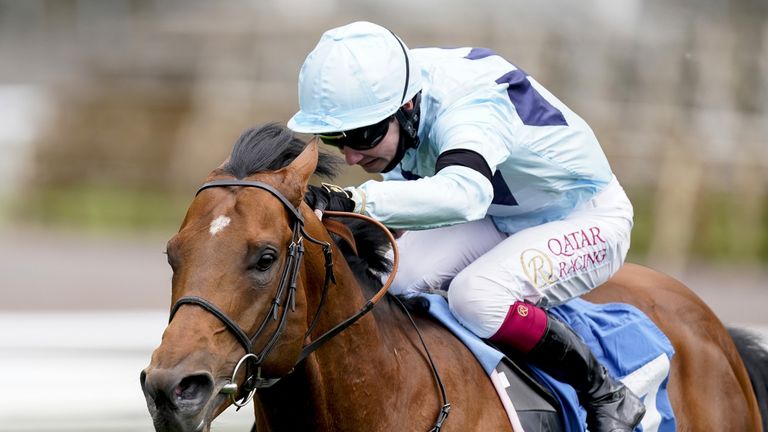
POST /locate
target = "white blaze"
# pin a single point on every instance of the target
(219, 224)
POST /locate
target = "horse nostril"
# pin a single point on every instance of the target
(193, 391)
(164, 390)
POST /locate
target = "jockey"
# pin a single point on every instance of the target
(506, 196)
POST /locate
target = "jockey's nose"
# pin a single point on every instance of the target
(352, 156)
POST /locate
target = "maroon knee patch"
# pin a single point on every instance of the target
(523, 327)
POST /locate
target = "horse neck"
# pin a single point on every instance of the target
(343, 299)
(366, 338)
(346, 367)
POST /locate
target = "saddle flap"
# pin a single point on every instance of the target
(524, 389)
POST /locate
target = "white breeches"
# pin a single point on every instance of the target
(485, 270)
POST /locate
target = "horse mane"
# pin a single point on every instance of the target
(371, 262)
(270, 147)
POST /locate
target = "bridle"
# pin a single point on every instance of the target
(254, 381)
(285, 298)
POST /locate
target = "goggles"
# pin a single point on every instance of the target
(364, 138)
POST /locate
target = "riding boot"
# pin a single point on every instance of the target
(560, 352)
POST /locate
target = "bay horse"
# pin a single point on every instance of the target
(238, 287)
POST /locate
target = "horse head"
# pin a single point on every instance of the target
(240, 313)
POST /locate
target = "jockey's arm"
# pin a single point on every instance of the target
(455, 194)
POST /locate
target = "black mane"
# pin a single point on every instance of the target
(370, 262)
(271, 147)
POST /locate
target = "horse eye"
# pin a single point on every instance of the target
(265, 262)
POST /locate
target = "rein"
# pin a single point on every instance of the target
(288, 280)
(370, 303)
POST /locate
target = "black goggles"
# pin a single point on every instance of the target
(364, 138)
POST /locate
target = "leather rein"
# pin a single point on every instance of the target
(284, 298)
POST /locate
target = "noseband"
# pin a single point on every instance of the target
(251, 359)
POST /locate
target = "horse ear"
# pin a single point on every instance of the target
(223, 164)
(305, 163)
(298, 172)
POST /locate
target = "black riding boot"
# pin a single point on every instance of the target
(610, 406)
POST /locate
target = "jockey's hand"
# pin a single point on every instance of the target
(329, 197)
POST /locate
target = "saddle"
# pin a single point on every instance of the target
(534, 401)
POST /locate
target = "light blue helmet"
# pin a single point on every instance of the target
(357, 75)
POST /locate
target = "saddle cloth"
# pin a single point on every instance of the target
(622, 338)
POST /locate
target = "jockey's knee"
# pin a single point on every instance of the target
(478, 303)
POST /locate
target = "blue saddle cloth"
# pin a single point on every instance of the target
(623, 339)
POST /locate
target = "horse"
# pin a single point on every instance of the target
(245, 310)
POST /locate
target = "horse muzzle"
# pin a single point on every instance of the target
(178, 402)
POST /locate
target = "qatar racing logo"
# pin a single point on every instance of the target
(579, 250)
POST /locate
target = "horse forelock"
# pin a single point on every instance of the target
(270, 147)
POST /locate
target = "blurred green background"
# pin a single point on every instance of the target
(112, 112)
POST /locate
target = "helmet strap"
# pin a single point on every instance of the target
(408, 121)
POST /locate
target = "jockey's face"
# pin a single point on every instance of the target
(375, 159)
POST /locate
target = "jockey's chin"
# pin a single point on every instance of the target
(374, 165)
